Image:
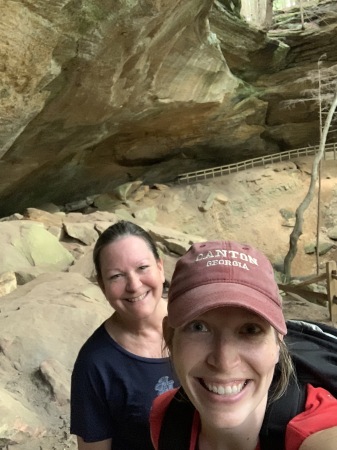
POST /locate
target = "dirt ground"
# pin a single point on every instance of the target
(260, 209)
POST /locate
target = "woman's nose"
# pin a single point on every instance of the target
(224, 354)
(133, 282)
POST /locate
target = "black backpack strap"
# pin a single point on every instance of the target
(314, 353)
(278, 415)
(176, 428)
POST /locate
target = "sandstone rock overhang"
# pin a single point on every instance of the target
(96, 96)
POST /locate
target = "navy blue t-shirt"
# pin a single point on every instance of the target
(112, 392)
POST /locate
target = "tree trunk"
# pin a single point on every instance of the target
(302, 14)
(297, 231)
(318, 224)
(269, 14)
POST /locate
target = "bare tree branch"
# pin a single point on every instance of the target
(297, 231)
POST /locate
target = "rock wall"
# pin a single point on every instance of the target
(94, 94)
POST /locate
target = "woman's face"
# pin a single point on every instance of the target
(131, 277)
(225, 360)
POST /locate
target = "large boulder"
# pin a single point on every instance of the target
(43, 325)
(25, 245)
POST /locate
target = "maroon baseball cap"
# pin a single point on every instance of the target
(224, 273)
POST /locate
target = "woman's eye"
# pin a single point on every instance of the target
(252, 329)
(197, 326)
(115, 277)
(143, 267)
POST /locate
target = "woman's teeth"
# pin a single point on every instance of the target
(225, 390)
(136, 299)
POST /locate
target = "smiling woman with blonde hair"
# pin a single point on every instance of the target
(225, 332)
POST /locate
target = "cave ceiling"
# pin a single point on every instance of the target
(93, 96)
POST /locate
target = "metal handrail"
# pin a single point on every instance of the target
(254, 162)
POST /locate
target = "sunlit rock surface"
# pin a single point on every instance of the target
(96, 94)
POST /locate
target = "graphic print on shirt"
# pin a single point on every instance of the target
(163, 385)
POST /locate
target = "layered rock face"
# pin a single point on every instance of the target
(97, 93)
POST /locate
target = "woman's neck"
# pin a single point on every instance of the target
(143, 337)
(242, 437)
(247, 441)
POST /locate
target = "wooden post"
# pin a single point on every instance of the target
(331, 276)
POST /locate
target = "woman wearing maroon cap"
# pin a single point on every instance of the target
(225, 332)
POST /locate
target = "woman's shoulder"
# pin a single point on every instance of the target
(320, 414)
(325, 439)
(96, 338)
(96, 347)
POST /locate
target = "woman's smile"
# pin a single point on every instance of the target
(136, 299)
(224, 388)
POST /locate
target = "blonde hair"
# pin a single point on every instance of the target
(283, 373)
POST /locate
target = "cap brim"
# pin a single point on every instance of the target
(215, 295)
